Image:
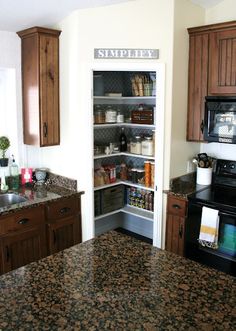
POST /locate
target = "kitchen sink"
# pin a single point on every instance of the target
(8, 199)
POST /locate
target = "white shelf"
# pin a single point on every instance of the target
(142, 213)
(127, 183)
(129, 125)
(104, 97)
(108, 214)
(101, 156)
(97, 188)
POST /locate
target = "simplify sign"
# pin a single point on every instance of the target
(125, 53)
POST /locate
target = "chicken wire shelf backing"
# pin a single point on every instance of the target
(133, 162)
(111, 135)
(120, 81)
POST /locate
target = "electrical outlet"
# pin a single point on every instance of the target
(190, 166)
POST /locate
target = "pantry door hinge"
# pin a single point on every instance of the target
(156, 188)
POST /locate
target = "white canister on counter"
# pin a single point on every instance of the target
(204, 176)
(147, 146)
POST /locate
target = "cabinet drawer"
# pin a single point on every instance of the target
(62, 208)
(21, 220)
(176, 206)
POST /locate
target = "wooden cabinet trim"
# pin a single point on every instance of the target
(212, 27)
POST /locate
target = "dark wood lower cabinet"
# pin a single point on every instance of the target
(175, 224)
(31, 234)
(63, 234)
(22, 248)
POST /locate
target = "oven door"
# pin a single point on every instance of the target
(223, 258)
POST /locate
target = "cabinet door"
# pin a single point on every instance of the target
(21, 248)
(49, 90)
(197, 85)
(175, 234)
(222, 55)
(64, 233)
(175, 224)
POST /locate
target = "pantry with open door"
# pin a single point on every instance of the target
(128, 131)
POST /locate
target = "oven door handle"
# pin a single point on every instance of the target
(221, 213)
(229, 214)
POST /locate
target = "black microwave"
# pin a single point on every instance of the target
(220, 119)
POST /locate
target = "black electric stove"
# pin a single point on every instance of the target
(221, 196)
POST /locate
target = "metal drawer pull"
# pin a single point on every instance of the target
(176, 206)
(23, 221)
(64, 210)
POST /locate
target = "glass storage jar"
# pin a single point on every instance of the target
(99, 115)
(147, 146)
(135, 145)
(111, 115)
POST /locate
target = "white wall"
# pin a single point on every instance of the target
(123, 25)
(223, 12)
(186, 15)
(10, 58)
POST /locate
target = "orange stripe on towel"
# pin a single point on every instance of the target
(208, 230)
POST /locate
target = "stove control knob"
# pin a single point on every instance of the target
(232, 166)
(224, 165)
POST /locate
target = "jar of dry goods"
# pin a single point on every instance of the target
(111, 115)
(135, 145)
(147, 146)
(99, 115)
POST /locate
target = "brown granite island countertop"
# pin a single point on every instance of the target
(115, 282)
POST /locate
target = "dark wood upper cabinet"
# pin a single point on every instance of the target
(197, 85)
(40, 86)
(212, 70)
(222, 70)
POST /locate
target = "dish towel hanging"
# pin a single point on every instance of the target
(209, 228)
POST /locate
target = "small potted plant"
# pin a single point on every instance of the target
(4, 145)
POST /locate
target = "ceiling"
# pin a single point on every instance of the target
(16, 15)
(206, 3)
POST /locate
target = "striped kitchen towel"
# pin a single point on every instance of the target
(209, 228)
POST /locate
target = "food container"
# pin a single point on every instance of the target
(140, 176)
(111, 115)
(120, 117)
(147, 146)
(99, 115)
(147, 169)
(135, 145)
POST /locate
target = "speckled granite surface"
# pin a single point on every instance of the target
(115, 282)
(37, 194)
(184, 185)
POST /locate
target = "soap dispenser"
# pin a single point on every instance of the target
(14, 172)
(4, 186)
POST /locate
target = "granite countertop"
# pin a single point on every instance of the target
(185, 185)
(115, 282)
(36, 195)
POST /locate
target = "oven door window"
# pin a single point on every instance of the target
(227, 236)
(222, 124)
